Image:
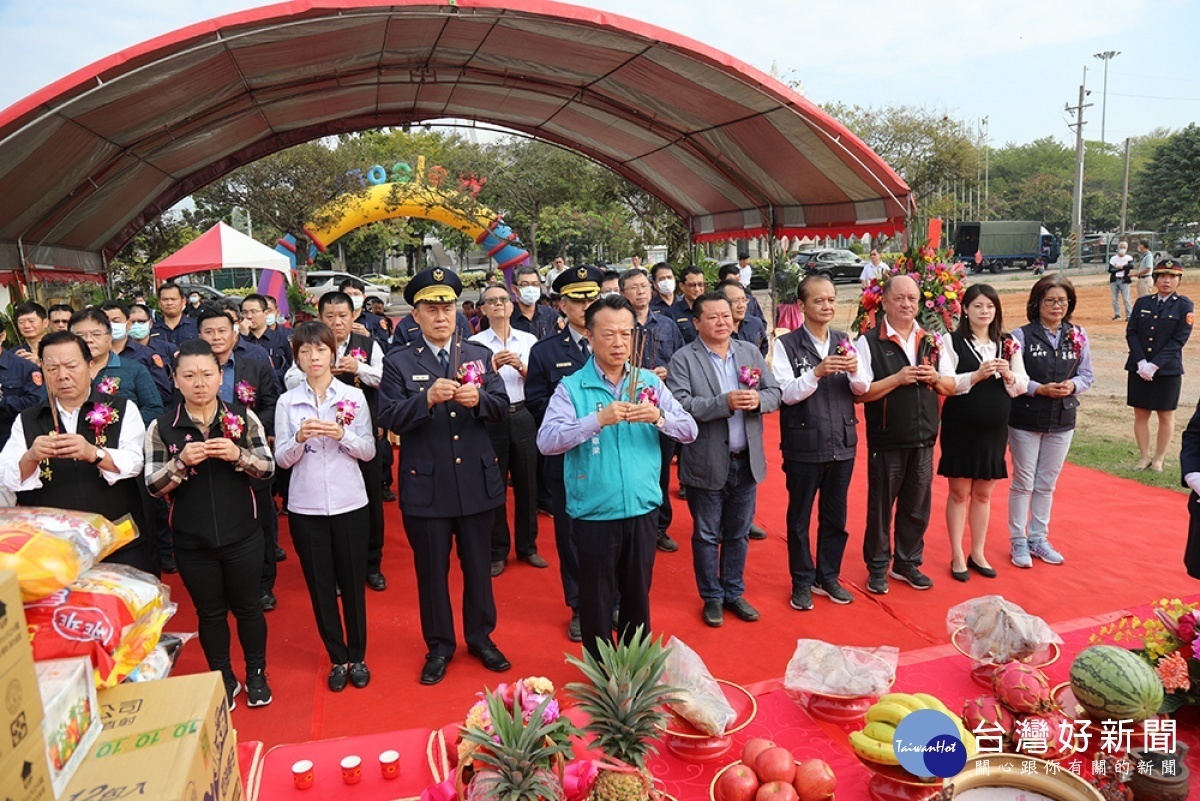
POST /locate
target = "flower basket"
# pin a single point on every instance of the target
(939, 284)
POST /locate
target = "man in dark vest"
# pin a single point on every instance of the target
(78, 450)
(20, 387)
(817, 369)
(359, 363)
(438, 392)
(901, 363)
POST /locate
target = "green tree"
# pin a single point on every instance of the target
(132, 268)
(1168, 191)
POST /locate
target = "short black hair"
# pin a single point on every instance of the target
(313, 332)
(692, 269)
(257, 298)
(110, 305)
(149, 312)
(210, 312)
(609, 275)
(93, 314)
(334, 298)
(196, 347)
(727, 270)
(167, 285)
(30, 307)
(614, 302)
(809, 280)
(59, 307)
(708, 297)
(61, 337)
(735, 284)
(1048, 282)
(525, 269)
(352, 283)
(632, 272)
(662, 265)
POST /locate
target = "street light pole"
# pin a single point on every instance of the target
(983, 123)
(1106, 56)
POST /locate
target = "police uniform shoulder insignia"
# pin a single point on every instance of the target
(1191, 318)
(37, 374)
(157, 359)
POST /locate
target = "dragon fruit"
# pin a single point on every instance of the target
(1023, 689)
(986, 714)
(1050, 730)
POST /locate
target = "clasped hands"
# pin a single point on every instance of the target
(216, 448)
(62, 446)
(836, 364)
(624, 411)
(315, 427)
(1146, 370)
(444, 389)
(998, 368)
(911, 375)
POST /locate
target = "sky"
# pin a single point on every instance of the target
(1017, 63)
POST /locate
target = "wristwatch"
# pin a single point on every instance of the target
(661, 422)
(100, 456)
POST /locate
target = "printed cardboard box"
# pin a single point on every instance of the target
(25, 774)
(14, 636)
(72, 715)
(168, 740)
(20, 706)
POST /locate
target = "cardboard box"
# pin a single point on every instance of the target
(25, 774)
(169, 740)
(71, 722)
(20, 707)
(14, 636)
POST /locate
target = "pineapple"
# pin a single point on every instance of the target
(623, 699)
(516, 765)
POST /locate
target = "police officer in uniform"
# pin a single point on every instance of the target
(550, 361)
(20, 388)
(437, 393)
(1158, 328)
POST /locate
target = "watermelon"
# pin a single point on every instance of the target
(1112, 683)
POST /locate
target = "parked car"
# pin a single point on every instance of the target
(321, 281)
(836, 265)
(207, 293)
(758, 279)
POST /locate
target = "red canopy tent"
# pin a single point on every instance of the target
(220, 247)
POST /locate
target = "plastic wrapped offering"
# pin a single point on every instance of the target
(49, 548)
(821, 668)
(995, 631)
(702, 703)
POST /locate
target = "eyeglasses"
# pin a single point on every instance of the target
(90, 335)
(1056, 302)
(496, 302)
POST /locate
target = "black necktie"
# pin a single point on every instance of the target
(583, 347)
(1161, 304)
(444, 359)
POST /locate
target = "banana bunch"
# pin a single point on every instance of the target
(874, 742)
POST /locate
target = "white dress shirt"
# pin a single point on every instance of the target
(985, 352)
(520, 343)
(799, 387)
(910, 346)
(369, 372)
(127, 455)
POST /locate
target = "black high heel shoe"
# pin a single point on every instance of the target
(986, 572)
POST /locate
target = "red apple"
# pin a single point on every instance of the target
(753, 748)
(775, 765)
(737, 784)
(814, 780)
(776, 791)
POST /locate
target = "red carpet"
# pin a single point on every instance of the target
(1123, 543)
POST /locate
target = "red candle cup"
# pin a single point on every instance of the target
(352, 769)
(389, 764)
(302, 774)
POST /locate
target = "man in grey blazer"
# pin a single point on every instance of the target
(726, 386)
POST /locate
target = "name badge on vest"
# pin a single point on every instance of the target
(422, 377)
(1037, 351)
(803, 366)
(564, 364)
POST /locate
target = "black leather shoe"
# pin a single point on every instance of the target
(491, 658)
(986, 572)
(535, 559)
(268, 600)
(682, 493)
(435, 669)
(376, 582)
(742, 608)
(337, 678)
(665, 543)
(389, 496)
(280, 554)
(757, 533)
(574, 632)
(713, 615)
(497, 568)
(359, 675)
(168, 564)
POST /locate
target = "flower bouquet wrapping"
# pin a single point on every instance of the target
(940, 288)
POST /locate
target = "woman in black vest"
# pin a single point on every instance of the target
(1041, 423)
(988, 373)
(323, 431)
(201, 454)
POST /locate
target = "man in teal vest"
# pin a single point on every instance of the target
(608, 432)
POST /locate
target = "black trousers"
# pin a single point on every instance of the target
(668, 448)
(616, 560)
(564, 542)
(514, 440)
(372, 473)
(264, 500)
(901, 479)
(383, 446)
(804, 481)
(431, 539)
(222, 580)
(333, 553)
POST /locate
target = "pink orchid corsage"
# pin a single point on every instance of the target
(344, 414)
(1009, 348)
(232, 425)
(1078, 341)
(359, 353)
(750, 376)
(100, 418)
(245, 392)
(935, 348)
(648, 395)
(471, 373)
(109, 385)
(846, 348)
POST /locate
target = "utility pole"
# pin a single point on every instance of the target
(1077, 200)
(987, 146)
(1125, 189)
(1106, 56)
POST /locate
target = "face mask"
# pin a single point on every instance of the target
(667, 286)
(357, 300)
(744, 275)
(270, 319)
(193, 299)
(137, 330)
(529, 295)
(1121, 251)
(119, 331)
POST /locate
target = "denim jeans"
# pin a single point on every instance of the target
(1037, 459)
(1120, 295)
(721, 533)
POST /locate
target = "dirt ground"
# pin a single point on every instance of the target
(1103, 412)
